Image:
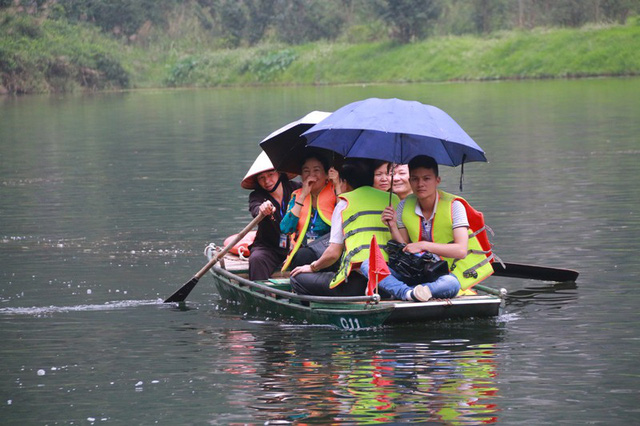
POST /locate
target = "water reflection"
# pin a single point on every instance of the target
(544, 294)
(452, 381)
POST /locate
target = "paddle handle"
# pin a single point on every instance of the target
(229, 246)
(502, 293)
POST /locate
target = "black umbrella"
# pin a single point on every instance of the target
(285, 147)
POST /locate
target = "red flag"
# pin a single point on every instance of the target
(378, 269)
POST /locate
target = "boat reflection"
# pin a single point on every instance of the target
(362, 379)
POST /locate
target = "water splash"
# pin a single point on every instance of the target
(48, 310)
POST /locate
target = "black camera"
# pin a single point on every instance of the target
(417, 269)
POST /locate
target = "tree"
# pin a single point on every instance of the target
(619, 10)
(489, 15)
(299, 21)
(409, 19)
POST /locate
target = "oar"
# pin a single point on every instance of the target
(502, 293)
(183, 292)
(534, 272)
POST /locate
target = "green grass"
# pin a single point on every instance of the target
(52, 56)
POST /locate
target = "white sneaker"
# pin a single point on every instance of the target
(421, 293)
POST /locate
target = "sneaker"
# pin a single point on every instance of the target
(421, 293)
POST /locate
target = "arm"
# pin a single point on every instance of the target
(328, 258)
(255, 200)
(334, 177)
(456, 250)
(389, 217)
(289, 222)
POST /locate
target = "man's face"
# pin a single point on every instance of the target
(424, 182)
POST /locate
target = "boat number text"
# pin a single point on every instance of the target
(350, 323)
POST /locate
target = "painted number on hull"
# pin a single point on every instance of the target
(350, 323)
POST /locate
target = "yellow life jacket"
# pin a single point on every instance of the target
(361, 220)
(476, 266)
(325, 204)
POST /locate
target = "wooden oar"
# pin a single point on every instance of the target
(534, 272)
(183, 292)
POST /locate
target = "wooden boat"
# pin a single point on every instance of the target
(273, 299)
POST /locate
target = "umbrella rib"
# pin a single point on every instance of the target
(355, 140)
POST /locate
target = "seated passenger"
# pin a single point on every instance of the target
(355, 220)
(271, 193)
(308, 217)
(381, 176)
(401, 186)
(434, 221)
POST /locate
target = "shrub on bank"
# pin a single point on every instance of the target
(54, 56)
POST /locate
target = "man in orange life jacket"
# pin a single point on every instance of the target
(434, 221)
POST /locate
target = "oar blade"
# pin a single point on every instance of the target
(181, 294)
(534, 272)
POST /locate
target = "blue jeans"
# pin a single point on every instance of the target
(445, 287)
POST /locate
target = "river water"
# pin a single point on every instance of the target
(107, 201)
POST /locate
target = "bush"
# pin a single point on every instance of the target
(267, 66)
(54, 56)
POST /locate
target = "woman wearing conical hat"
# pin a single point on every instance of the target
(271, 194)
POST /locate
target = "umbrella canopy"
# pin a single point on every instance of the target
(394, 130)
(285, 147)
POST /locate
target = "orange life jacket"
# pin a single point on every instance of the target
(241, 248)
(325, 204)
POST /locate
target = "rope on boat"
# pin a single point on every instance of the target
(210, 249)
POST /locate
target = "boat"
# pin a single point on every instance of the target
(273, 299)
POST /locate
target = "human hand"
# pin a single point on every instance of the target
(334, 176)
(415, 247)
(304, 269)
(306, 186)
(389, 216)
(267, 208)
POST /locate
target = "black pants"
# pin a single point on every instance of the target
(305, 255)
(317, 284)
(264, 261)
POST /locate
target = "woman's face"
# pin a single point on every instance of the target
(268, 179)
(401, 185)
(313, 172)
(381, 178)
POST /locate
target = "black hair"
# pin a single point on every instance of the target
(321, 158)
(357, 172)
(378, 163)
(425, 162)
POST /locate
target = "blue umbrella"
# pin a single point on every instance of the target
(394, 130)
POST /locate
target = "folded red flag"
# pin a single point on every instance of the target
(378, 269)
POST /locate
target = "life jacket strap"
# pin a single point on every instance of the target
(346, 259)
(371, 228)
(358, 214)
(472, 272)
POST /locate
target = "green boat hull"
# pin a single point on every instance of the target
(273, 301)
(347, 316)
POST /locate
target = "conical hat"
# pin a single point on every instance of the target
(261, 164)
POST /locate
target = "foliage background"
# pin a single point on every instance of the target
(67, 45)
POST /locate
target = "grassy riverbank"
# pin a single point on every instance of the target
(52, 56)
